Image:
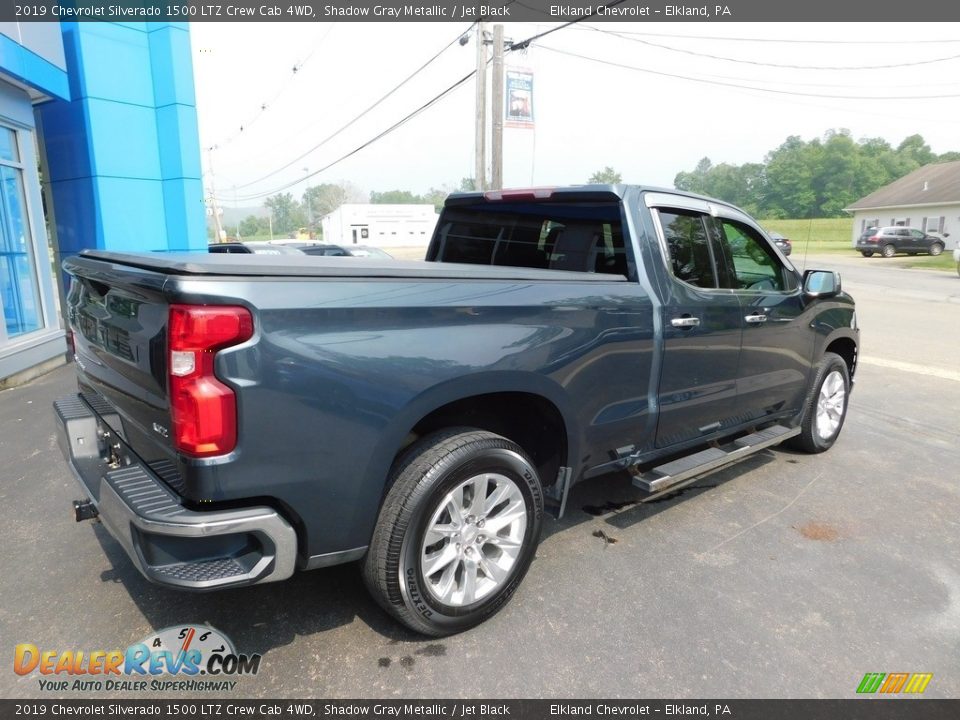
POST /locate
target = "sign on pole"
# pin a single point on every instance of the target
(519, 99)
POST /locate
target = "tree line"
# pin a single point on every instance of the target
(814, 179)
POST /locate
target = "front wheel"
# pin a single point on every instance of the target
(825, 408)
(889, 251)
(457, 531)
(936, 249)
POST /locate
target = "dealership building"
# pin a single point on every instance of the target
(98, 149)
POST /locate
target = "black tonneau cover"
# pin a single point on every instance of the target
(326, 267)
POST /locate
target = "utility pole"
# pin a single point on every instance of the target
(213, 197)
(481, 122)
(496, 157)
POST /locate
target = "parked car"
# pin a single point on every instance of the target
(345, 251)
(240, 248)
(888, 241)
(235, 422)
(784, 243)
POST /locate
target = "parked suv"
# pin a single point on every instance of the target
(888, 241)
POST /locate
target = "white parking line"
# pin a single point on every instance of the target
(912, 368)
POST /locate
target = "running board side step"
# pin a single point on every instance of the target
(686, 469)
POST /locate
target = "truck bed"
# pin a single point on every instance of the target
(195, 264)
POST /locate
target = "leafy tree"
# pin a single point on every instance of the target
(321, 200)
(287, 213)
(607, 176)
(818, 178)
(436, 196)
(395, 197)
(467, 184)
(253, 225)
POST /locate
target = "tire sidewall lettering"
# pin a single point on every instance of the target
(500, 460)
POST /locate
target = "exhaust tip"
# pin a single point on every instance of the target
(84, 510)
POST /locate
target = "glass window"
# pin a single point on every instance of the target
(579, 237)
(755, 265)
(8, 145)
(689, 247)
(19, 291)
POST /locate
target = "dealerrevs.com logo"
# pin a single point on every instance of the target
(183, 657)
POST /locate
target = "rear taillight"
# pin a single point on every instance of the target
(203, 409)
(873, 238)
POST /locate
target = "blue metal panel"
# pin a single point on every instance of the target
(31, 69)
(75, 215)
(68, 152)
(131, 214)
(125, 156)
(172, 66)
(116, 63)
(123, 140)
(177, 135)
(186, 225)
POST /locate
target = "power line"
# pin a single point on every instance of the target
(808, 41)
(744, 87)
(787, 66)
(361, 115)
(297, 67)
(524, 44)
(435, 99)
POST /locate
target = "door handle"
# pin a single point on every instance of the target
(757, 318)
(685, 322)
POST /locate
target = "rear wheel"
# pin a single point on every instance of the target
(936, 248)
(866, 253)
(825, 408)
(889, 251)
(457, 531)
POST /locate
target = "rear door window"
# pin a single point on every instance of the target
(688, 246)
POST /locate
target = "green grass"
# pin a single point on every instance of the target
(925, 262)
(832, 236)
(821, 234)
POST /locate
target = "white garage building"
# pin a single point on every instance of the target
(379, 225)
(927, 199)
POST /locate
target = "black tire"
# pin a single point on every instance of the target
(810, 439)
(422, 477)
(866, 253)
(889, 251)
(936, 248)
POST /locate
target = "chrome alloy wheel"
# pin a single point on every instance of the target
(473, 539)
(830, 405)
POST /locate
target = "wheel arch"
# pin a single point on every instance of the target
(484, 396)
(845, 345)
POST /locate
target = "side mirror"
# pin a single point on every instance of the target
(821, 283)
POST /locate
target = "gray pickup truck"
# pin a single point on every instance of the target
(239, 418)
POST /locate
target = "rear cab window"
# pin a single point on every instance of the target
(573, 236)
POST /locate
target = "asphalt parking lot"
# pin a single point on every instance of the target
(784, 576)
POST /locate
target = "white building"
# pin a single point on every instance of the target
(380, 225)
(928, 199)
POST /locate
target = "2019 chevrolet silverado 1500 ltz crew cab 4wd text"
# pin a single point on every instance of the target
(240, 418)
